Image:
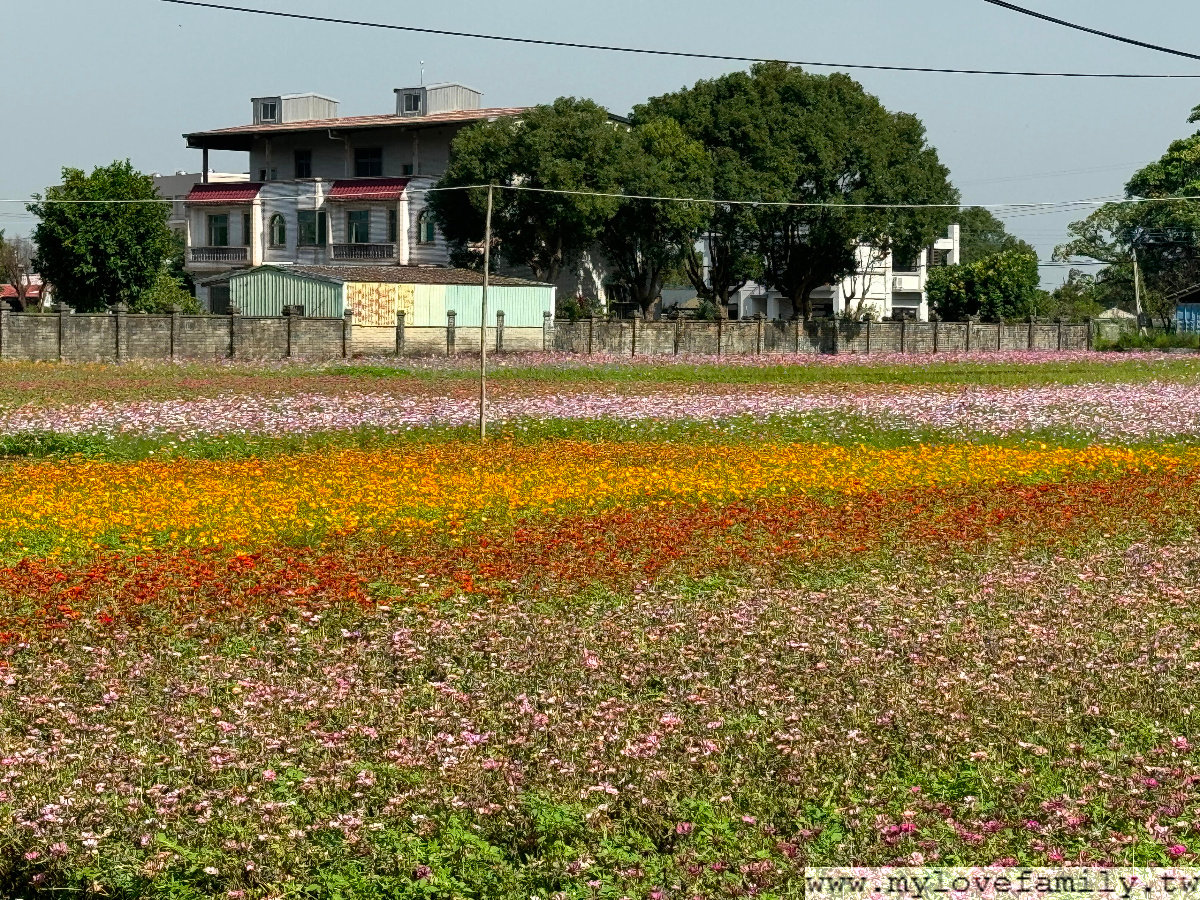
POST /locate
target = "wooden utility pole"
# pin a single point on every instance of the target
(487, 266)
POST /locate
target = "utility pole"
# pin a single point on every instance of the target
(483, 311)
(1137, 290)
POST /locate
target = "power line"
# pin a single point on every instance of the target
(1104, 34)
(647, 51)
(1017, 209)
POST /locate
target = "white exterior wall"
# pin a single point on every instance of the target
(883, 290)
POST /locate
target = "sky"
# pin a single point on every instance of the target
(86, 83)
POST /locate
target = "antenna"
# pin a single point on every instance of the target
(422, 73)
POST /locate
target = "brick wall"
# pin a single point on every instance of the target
(761, 336)
(120, 336)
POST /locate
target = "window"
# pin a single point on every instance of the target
(278, 231)
(304, 164)
(268, 174)
(368, 162)
(426, 230)
(412, 103)
(313, 228)
(358, 226)
(247, 229)
(406, 169)
(218, 230)
(906, 264)
(267, 111)
(392, 225)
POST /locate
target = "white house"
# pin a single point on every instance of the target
(326, 189)
(884, 287)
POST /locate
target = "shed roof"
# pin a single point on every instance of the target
(1187, 295)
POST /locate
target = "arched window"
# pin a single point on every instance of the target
(278, 231)
(426, 230)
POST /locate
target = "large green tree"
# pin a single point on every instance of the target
(983, 235)
(102, 238)
(571, 145)
(999, 287)
(1163, 233)
(779, 135)
(645, 239)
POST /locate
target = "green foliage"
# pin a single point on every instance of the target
(778, 134)
(1165, 235)
(998, 287)
(576, 308)
(645, 239)
(166, 293)
(571, 145)
(97, 254)
(1160, 340)
(984, 235)
(1080, 297)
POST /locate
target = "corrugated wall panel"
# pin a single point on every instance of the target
(523, 306)
(429, 305)
(267, 292)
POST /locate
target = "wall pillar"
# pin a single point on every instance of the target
(176, 323)
(63, 312)
(937, 336)
(348, 334)
(1032, 321)
(451, 316)
(903, 335)
(591, 333)
(400, 314)
(720, 332)
(547, 331)
(868, 337)
(633, 336)
(1060, 334)
(3, 328)
(122, 337)
(758, 335)
(837, 336)
(1091, 341)
(288, 315)
(235, 315)
(969, 324)
(499, 331)
(678, 332)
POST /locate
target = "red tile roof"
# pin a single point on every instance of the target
(221, 138)
(238, 192)
(368, 189)
(8, 292)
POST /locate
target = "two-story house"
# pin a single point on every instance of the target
(326, 189)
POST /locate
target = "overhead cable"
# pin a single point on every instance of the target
(648, 51)
(1096, 31)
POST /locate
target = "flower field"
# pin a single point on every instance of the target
(676, 631)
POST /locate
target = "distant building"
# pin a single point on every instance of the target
(884, 287)
(1187, 309)
(324, 189)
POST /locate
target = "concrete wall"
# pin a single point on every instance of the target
(124, 336)
(638, 338)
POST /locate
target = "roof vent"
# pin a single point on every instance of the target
(285, 108)
(430, 99)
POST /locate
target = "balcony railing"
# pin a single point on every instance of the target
(220, 254)
(362, 251)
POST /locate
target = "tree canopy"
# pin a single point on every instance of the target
(1165, 234)
(780, 135)
(1001, 286)
(644, 239)
(97, 254)
(571, 145)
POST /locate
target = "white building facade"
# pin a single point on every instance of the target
(329, 190)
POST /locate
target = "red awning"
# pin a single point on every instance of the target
(238, 192)
(368, 189)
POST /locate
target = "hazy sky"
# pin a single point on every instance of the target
(87, 82)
